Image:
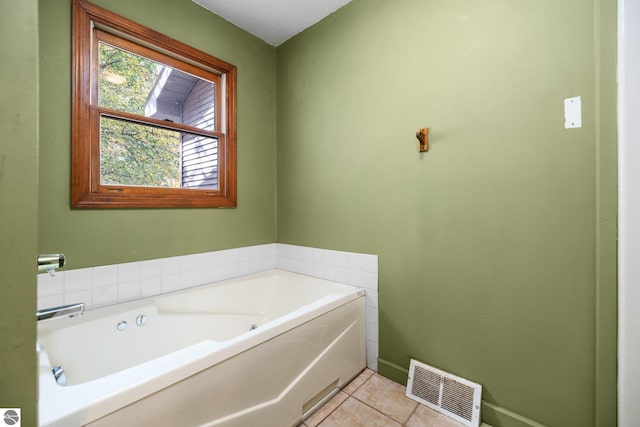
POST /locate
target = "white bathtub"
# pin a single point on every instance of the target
(195, 360)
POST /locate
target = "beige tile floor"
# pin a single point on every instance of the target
(371, 400)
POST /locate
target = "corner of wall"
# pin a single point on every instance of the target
(605, 387)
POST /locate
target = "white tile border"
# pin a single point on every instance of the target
(345, 267)
(112, 284)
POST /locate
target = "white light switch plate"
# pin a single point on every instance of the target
(572, 113)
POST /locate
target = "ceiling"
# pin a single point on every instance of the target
(274, 21)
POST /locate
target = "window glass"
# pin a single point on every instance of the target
(139, 155)
(154, 120)
(138, 85)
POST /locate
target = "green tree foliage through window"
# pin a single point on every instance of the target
(130, 153)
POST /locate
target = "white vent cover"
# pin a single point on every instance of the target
(453, 396)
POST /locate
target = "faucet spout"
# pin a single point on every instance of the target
(70, 310)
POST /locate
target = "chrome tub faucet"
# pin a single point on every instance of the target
(70, 310)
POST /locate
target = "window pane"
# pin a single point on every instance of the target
(137, 85)
(132, 154)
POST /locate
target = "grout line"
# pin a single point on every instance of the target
(352, 395)
(326, 416)
(377, 410)
(403, 424)
(363, 383)
(411, 415)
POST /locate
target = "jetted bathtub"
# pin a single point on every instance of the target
(260, 350)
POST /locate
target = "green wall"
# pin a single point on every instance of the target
(606, 296)
(497, 247)
(19, 205)
(99, 237)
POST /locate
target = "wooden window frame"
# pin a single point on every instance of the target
(91, 22)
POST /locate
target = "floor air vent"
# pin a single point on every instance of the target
(453, 396)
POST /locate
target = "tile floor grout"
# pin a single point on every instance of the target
(373, 400)
(411, 415)
(377, 410)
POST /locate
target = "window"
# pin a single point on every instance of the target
(153, 120)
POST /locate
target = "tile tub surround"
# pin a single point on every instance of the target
(112, 284)
(345, 267)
